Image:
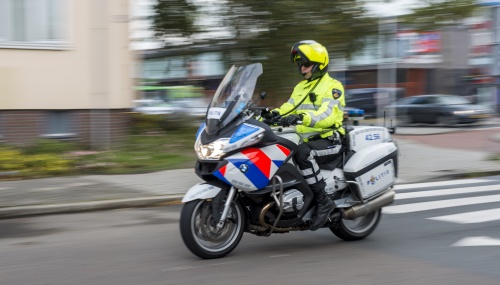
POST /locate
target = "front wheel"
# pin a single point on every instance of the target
(446, 120)
(405, 120)
(359, 228)
(199, 232)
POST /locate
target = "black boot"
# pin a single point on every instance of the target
(324, 206)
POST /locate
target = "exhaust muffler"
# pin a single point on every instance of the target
(369, 207)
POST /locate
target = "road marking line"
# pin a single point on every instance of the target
(282, 255)
(471, 217)
(194, 267)
(477, 241)
(426, 206)
(442, 192)
(440, 183)
(65, 186)
(4, 188)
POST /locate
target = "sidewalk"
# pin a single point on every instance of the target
(417, 163)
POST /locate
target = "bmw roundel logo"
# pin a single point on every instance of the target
(243, 168)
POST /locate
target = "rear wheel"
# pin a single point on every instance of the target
(359, 228)
(200, 234)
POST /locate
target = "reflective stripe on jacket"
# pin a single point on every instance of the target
(323, 115)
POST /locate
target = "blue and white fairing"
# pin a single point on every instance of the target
(250, 168)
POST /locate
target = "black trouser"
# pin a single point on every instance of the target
(310, 154)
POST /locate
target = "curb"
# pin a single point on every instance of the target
(448, 130)
(466, 175)
(36, 210)
(52, 209)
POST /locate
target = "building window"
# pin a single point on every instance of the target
(59, 125)
(34, 24)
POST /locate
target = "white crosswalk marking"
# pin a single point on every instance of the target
(403, 204)
(425, 206)
(437, 184)
(442, 192)
(477, 241)
(471, 217)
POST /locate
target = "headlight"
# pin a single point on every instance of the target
(211, 151)
(463, 112)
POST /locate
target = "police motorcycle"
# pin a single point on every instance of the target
(253, 185)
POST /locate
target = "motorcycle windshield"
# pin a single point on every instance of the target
(233, 96)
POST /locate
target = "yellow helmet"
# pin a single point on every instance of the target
(310, 52)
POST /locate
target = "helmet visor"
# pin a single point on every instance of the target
(297, 56)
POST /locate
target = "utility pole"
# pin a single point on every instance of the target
(496, 50)
(387, 66)
(495, 69)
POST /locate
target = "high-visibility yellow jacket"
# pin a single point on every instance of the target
(325, 114)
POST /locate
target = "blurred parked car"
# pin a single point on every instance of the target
(195, 108)
(438, 109)
(156, 107)
(369, 99)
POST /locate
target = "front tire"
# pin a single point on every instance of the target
(446, 120)
(359, 228)
(199, 233)
(405, 120)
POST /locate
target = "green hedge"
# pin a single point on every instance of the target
(145, 123)
(19, 164)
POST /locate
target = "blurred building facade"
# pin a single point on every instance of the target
(66, 70)
(419, 62)
(439, 61)
(142, 35)
(180, 65)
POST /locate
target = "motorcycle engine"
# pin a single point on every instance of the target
(293, 200)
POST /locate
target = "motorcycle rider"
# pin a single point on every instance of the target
(318, 102)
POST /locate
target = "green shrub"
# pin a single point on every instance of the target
(10, 159)
(142, 123)
(137, 154)
(145, 123)
(32, 165)
(44, 164)
(47, 146)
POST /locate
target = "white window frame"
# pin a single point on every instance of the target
(37, 24)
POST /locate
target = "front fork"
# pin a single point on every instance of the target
(227, 206)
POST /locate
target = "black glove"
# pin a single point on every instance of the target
(269, 115)
(291, 120)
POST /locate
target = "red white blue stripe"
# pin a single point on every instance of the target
(259, 166)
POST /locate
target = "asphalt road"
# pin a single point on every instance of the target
(428, 236)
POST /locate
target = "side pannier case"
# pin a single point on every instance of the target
(374, 168)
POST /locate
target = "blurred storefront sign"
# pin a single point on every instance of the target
(420, 42)
(419, 47)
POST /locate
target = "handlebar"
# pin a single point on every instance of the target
(277, 121)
